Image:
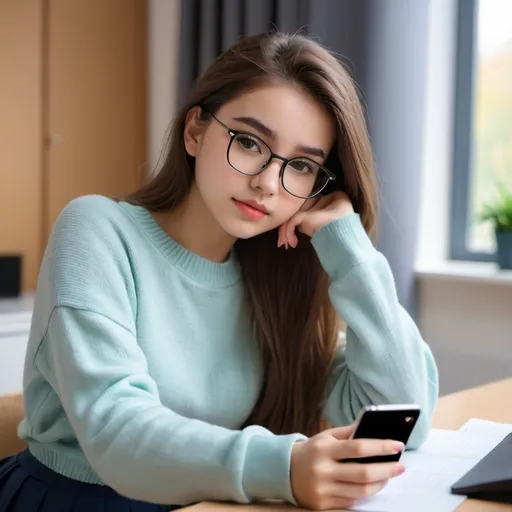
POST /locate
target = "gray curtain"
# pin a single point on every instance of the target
(384, 44)
(210, 26)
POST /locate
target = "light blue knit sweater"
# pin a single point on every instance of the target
(142, 366)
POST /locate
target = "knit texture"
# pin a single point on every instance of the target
(142, 363)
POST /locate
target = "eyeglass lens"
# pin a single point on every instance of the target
(301, 177)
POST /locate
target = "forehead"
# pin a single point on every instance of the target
(295, 116)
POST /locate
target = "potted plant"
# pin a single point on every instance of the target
(500, 213)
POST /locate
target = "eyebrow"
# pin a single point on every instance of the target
(265, 130)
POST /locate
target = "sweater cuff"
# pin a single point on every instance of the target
(267, 467)
(342, 245)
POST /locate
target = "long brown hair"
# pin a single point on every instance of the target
(287, 291)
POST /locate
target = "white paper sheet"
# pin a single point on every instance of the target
(487, 428)
(430, 471)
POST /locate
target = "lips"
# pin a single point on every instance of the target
(251, 209)
(255, 205)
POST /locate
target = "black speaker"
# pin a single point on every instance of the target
(10, 275)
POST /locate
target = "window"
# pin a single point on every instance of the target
(483, 122)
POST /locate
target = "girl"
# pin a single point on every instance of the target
(185, 340)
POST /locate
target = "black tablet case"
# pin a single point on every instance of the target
(491, 478)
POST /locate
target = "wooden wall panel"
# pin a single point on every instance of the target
(72, 112)
(21, 222)
(96, 105)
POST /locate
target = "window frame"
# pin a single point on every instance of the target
(462, 172)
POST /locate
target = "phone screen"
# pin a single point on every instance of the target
(385, 424)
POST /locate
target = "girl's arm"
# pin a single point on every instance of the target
(136, 445)
(85, 346)
(384, 358)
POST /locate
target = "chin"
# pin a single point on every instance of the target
(244, 230)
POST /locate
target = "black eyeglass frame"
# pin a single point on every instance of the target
(233, 133)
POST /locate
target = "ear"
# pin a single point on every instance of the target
(194, 130)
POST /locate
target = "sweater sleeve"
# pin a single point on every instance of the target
(91, 357)
(384, 358)
(137, 446)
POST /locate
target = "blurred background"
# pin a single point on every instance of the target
(88, 88)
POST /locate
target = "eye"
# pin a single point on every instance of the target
(248, 144)
(302, 166)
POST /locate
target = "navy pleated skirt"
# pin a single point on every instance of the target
(26, 485)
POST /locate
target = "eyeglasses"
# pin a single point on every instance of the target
(300, 176)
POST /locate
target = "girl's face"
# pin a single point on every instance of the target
(292, 124)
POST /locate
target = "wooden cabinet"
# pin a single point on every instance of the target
(96, 118)
(21, 134)
(72, 112)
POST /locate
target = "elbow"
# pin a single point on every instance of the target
(126, 489)
(424, 424)
(119, 481)
(427, 398)
(135, 492)
(126, 483)
(131, 488)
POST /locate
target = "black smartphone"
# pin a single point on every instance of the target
(394, 422)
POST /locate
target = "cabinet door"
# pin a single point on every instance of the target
(95, 106)
(21, 221)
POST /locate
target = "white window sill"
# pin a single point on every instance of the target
(465, 271)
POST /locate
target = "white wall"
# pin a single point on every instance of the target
(15, 318)
(466, 319)
(469, 327)
(163, 44)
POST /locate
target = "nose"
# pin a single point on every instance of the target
(268, 180)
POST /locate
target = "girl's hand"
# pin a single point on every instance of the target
(320, 481)
(314, 214)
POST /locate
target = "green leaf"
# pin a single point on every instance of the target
(500, 210)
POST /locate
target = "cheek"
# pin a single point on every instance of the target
(211, 167)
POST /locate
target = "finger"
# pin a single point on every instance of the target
(357, 448)
(353, 472)
(281, 231)
(282, 240)
(356, 491)
(291, 237)
(341, 433)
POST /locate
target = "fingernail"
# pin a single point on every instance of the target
(400, 469)
(398, 447)
(294, 243)
(286, 245)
